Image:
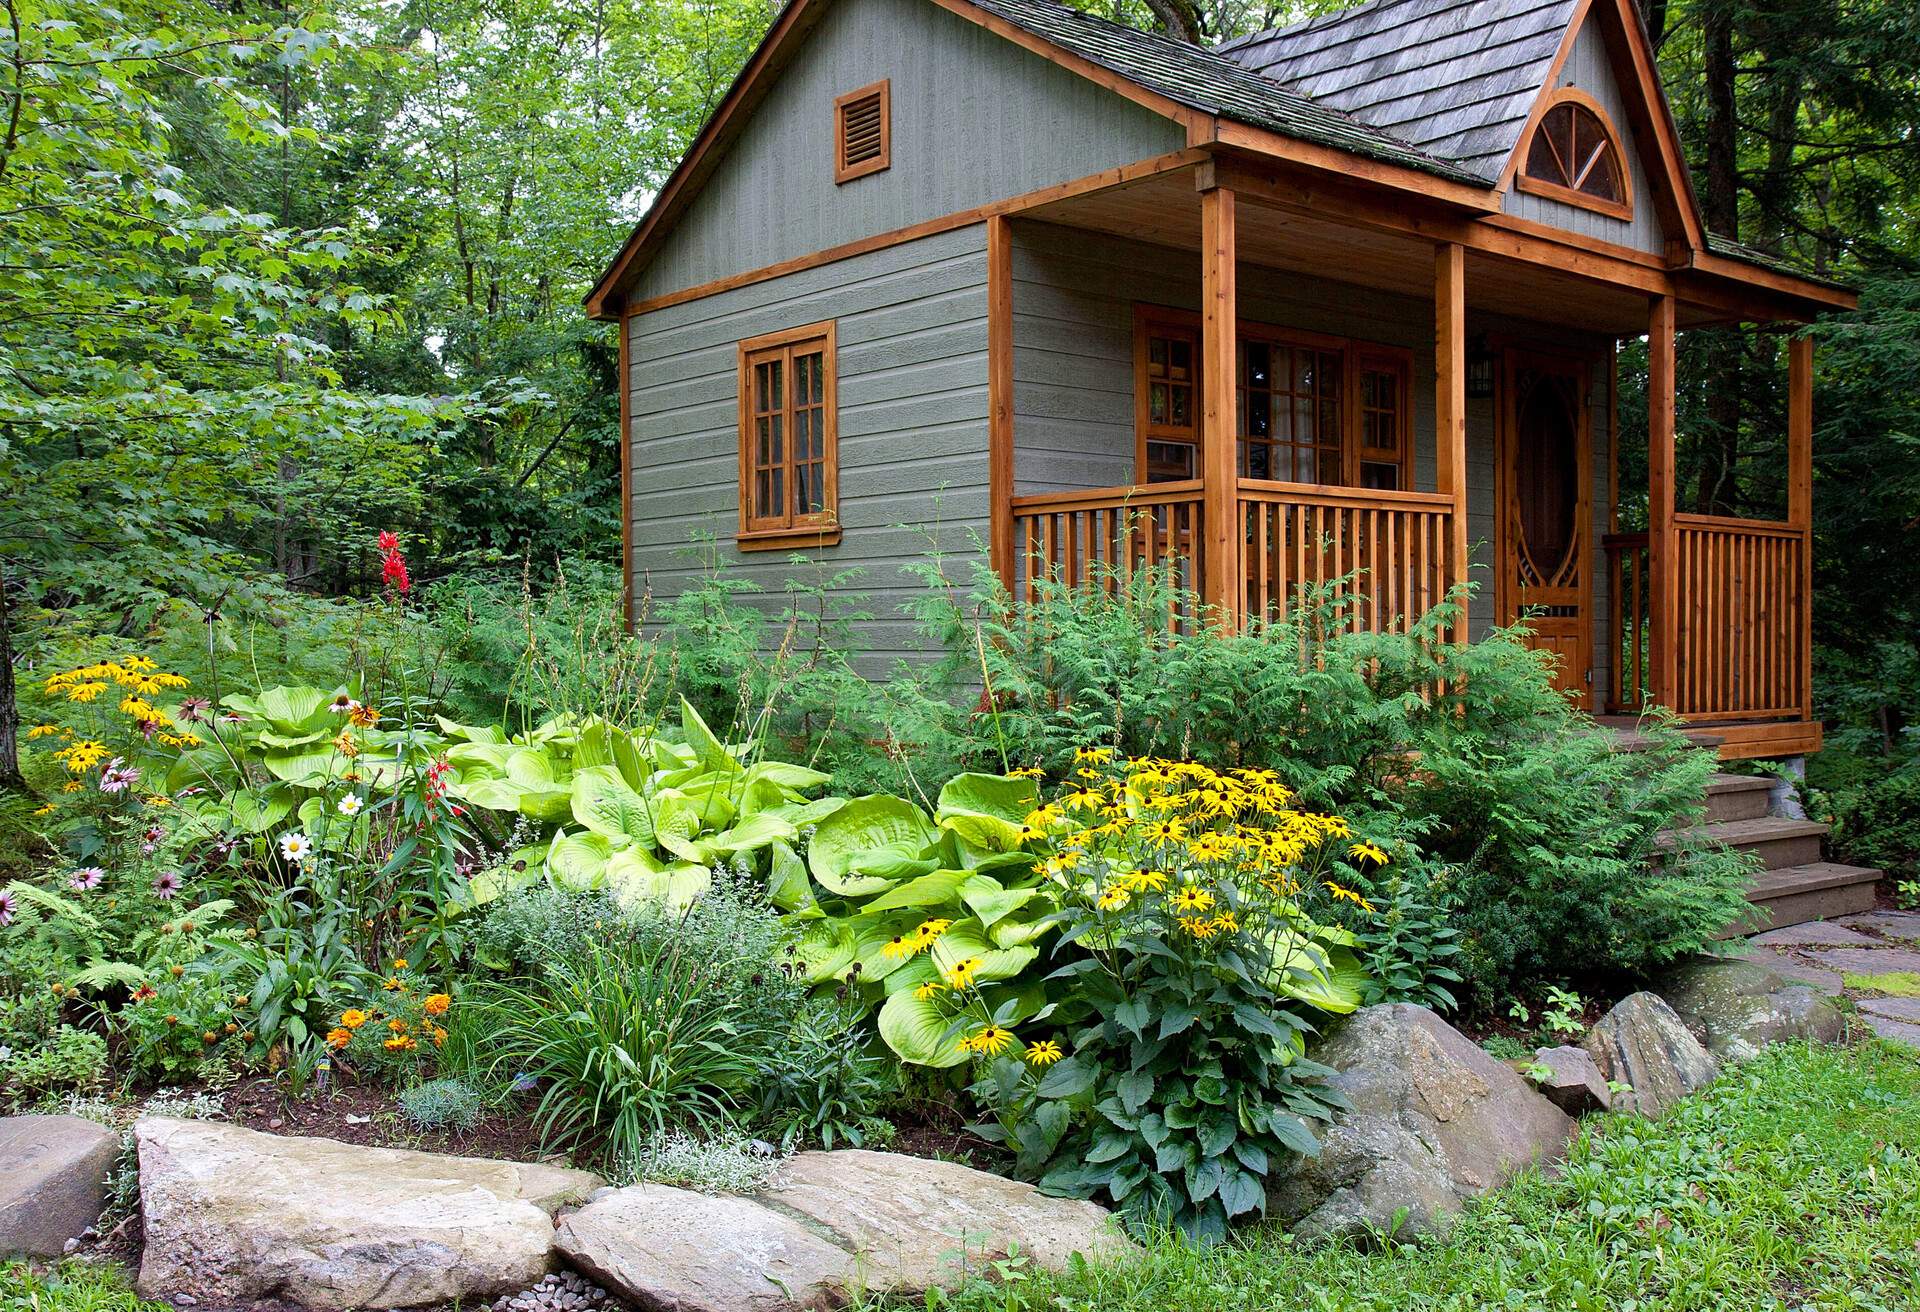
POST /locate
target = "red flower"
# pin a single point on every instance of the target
(389, 542)
(393, 566)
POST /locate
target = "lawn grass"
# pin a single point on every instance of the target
(1793, 1183)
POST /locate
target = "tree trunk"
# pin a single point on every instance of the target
(1179, 19)
(1720, 206)
(11, 780)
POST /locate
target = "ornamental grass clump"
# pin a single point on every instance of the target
(1196, 953)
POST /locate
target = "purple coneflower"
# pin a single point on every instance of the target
(166, 884)
(86, 878)
(194, 709)
(118, 776)
(6, 909)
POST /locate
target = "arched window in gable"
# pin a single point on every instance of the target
(1575, 156)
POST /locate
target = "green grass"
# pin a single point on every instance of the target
(70, 1287)
(1793, 1183)
(1898, 983)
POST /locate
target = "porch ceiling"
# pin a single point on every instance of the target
(1165, 210)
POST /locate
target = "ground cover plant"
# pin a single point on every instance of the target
(1792, 1182)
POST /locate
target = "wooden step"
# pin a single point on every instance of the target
(1795, 895)
(1779, 843)
(1737, 797)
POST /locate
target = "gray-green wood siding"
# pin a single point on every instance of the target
(1073, 299)
(1589, 69)
(975, 119)
(912, 337)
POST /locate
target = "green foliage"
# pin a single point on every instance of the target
(1829, 1137)
(74, 1059)
(827, 1087)
(523, 930)
(1875, 811)
(69, 1286)
(443, 1104)
(667, 1024)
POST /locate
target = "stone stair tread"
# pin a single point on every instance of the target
(1759, 830)
(1807, 879)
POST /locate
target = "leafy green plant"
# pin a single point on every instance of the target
(442, 1104)
(75, 1059)
(826, 1086)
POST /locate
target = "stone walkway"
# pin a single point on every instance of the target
(1873, 958)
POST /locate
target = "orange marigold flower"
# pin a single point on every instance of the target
(339, 1037)
(436, 1004)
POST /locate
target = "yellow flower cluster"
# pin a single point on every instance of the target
(139, 681)
(916, 942)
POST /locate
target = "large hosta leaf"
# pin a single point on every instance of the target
(924, 893)
(254, 811)
(916, 1029)
(752, 834)
(601, 800)
(965, 940)
(707, 748)
(1330, 978)
(638, 882)
(787, 884)
(825, 948)
(870, 843)
(288, 710)
(986, 811)
(578, 862)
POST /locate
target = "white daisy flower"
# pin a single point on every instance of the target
(295, 847)
(350, 805)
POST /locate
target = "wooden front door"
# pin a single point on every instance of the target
(1545, 512)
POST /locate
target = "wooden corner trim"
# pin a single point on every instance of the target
(844, 172)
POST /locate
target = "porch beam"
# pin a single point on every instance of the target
(1800, 500)
(1664, 600)
(1220, 564)
(1000, 398)
(1450, 404)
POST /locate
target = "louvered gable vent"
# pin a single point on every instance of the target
(863, 132)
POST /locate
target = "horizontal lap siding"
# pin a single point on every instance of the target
(975, 119)
(1589, 69)
(912, 337)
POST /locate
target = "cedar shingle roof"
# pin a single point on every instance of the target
(1215, 84)
(1450, 78)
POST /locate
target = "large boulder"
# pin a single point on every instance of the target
(1434, 1121)
(902, 1215)
(1739, 1007)
(53, 1181)
(1643, 1044)
(233, 1215)
(670, 1250)
(832, 1225)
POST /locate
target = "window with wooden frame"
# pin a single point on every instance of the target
(1382, 449)
(1575, 156)
(1309, 408)
(863, 132)
(789, 439)
(1166, 365)
(1289, 406)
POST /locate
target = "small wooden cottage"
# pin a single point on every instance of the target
(1338, 297)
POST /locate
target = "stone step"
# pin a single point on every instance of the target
(1794, 895)
(1737, 797)
(1779, 843)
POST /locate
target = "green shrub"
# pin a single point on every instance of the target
(668, 1024)
(75, 1059)
(725, 1164)
(442, 1104)
(1876, 817)
(828, 1085)
(529, 928)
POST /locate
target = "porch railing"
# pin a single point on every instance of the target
(1741, 650)
(1108, 533)
(1305, 537)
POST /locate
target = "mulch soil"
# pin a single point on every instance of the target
(366, 1115)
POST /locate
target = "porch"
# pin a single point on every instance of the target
(1509, 479)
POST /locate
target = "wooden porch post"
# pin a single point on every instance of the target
(1450, 403)
(1800, 500)
(1000, 398)
(1663, 606)
(1220, 565)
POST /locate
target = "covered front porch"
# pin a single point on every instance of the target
(1416, 400)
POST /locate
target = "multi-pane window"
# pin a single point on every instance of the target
(1382, 427)
(1574, 156)
(1309, 408)
(787, 436)
(1289, 411)
(1168, 350)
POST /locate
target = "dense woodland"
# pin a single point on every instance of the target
(276, 278)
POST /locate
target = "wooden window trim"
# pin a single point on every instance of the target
(1371, 356)
(844, 172)
(1617, 209)
(799, 531)
(1355, 353)
(1149, 321)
